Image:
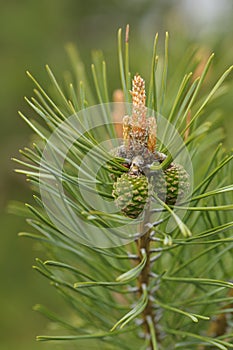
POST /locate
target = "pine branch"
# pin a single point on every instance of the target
(161, 281)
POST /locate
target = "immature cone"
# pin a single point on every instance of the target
(131, 193)
(132, 190)
(172, 184)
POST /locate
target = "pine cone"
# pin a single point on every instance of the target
(131, 193)
(171, 184)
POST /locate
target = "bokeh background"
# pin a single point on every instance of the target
(34, 33)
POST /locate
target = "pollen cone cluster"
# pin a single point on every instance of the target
(132, 189)
(139, 132)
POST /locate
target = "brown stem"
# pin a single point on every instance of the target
(143, 243)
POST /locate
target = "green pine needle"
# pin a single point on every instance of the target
(163, 288)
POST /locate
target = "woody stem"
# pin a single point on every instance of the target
(143, 244)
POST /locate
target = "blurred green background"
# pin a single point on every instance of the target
(34, 33)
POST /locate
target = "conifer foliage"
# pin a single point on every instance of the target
(164, 278)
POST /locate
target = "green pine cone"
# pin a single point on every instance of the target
(131, 193)
(172, 184)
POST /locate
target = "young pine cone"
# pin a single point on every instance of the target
(171, 184)
(132, 191)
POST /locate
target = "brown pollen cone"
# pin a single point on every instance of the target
(137, 129)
